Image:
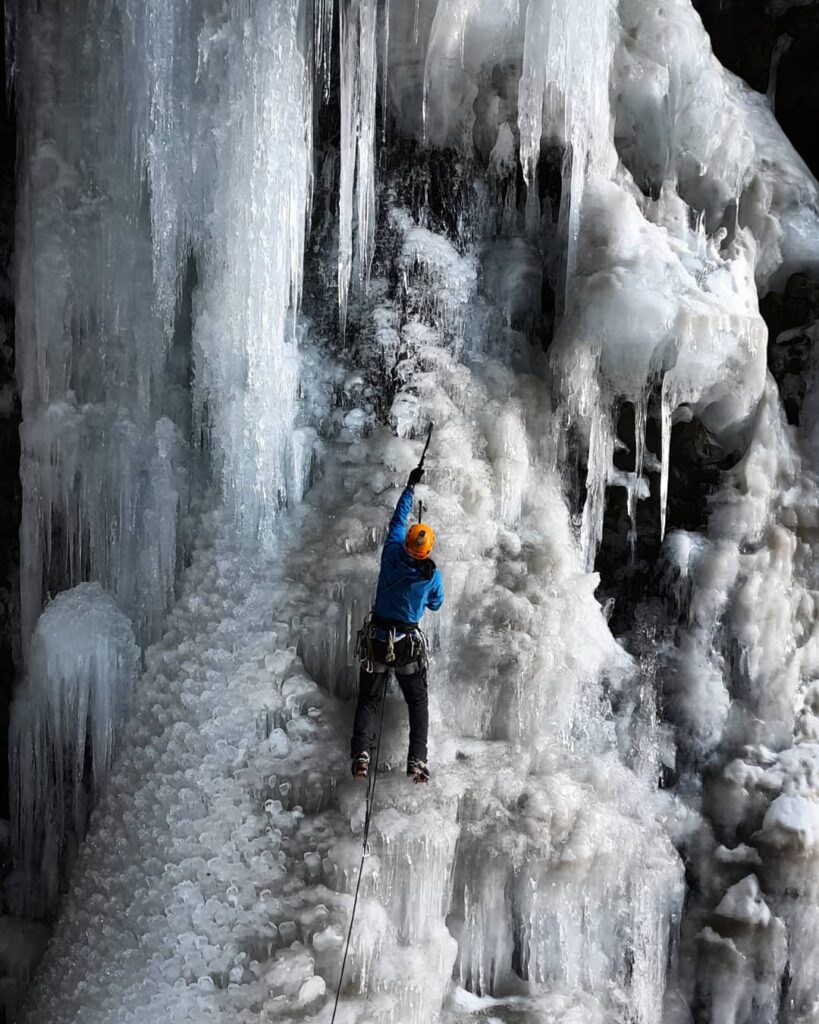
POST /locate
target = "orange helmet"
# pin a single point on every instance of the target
(419, 540)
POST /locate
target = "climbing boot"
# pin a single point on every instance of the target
(360, 766)
(417, 770)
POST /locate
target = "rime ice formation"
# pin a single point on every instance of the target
(261, 248)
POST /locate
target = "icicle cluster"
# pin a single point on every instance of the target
(358, 63)
(65, 730)
(148, 327)
(665, 297)
(165, 184)
(252, 261)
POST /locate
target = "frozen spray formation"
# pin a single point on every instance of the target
(261, 246)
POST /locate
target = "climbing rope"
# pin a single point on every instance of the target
(372, 778)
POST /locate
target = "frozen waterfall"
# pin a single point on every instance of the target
(261, 246)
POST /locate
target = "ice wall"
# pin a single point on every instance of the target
(165, 186)
(183, 139)
(663, 152)
(532, 877)
(597, 153)
(728, 204)
(102, 461)
(744, 698)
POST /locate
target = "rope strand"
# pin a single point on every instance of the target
(372, 778)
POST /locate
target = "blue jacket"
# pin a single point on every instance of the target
(407, 586)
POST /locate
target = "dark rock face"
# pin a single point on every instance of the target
(795, 307)
(790, 316)
(10, 493)
(747, 36)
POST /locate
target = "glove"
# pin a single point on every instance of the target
(415, 476)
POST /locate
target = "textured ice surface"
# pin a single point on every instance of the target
(231, 784)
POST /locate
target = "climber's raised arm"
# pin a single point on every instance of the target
(398, 524)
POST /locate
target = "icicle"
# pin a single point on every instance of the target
(564, 83)
(348, 80)
(640, 416)
(93, 280)
(531, 90)
(10, 34)
(601, 450)
(365, 178)
(415, 22)
(246, 378)
(781, 47)
(667, 410)
(438, 40)
(323, 30)
(384, 72)
(573, 181)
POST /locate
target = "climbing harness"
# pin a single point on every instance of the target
(370, 632)
(372, 778)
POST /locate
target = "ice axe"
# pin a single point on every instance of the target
(421, 466)
(426, 446)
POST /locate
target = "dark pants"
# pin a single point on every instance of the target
(410, 671)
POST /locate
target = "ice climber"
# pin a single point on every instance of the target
(408, 584)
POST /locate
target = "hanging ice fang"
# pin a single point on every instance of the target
(323, 42)
(385, 72)
(358, 71)
(348, 87)
(564, 90)
(365, 184)
(245, 386)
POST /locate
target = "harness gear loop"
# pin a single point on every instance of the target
(364, 644)
(419, 647)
